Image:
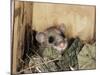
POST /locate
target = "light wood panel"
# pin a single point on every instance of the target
(78, 19)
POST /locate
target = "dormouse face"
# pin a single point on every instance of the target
(53, 37)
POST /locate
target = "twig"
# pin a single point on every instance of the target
(38, 65)
(21, 60)
(40, 58)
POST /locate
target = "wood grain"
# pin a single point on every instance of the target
(78, 19)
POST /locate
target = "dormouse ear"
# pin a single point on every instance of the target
(62, 27)
(40, 37)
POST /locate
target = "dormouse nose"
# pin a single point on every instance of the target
(62, 45)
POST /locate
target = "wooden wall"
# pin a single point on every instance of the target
(79, 19)
(22, 16)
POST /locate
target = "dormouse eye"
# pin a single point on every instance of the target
(51, 39)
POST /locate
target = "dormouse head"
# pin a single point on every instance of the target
(53, 37)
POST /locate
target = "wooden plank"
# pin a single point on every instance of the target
(78, 19)
(22, 17)
(14, 43)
